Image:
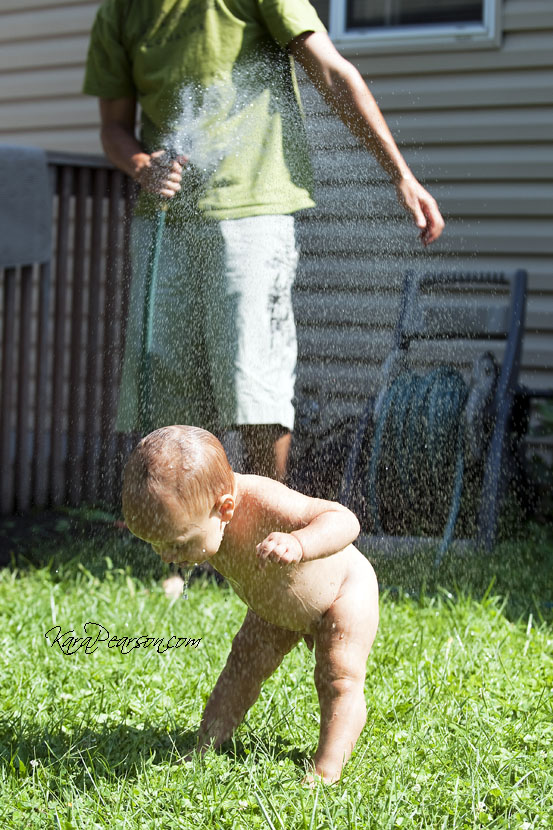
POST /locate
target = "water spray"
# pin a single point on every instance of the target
(150, 285)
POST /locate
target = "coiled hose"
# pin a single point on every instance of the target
(419, 442)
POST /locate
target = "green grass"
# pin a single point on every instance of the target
(459, 733)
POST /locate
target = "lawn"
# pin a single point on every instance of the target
(459, 694)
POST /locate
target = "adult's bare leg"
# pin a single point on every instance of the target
(267, 447)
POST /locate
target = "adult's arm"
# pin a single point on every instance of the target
(343, 88)
(155, 172)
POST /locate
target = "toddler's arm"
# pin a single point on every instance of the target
(331, 528)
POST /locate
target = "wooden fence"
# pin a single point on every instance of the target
(62, 327)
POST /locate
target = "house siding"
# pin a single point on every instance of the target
(476, 126)
(43, 49)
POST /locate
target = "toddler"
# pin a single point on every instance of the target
(289, 557)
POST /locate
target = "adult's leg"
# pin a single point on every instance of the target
(342, 645)
(252, 336)
(257, 650)
(266, 447)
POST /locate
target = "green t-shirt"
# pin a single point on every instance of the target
(214, 82)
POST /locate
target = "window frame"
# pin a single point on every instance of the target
(416, 38)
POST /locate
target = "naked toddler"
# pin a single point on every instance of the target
(289, 557)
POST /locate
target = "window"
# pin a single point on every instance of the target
(414, 24)
(361, 14)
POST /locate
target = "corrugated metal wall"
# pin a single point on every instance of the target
(61, 333)
(476, 126)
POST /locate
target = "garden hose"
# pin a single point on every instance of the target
(420, 432)
(150, 284)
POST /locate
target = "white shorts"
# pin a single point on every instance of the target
(224, 340)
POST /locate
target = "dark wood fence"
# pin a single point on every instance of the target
(62, 330)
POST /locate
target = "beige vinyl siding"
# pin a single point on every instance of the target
(43, 46)
(476, 126)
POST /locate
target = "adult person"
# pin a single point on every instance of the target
(215, 83)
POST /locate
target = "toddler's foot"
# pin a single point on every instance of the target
(312, 778)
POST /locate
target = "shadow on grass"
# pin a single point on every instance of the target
(63, 538)
(272, 746)
(87, 754)
(519, 570)
(123, 751)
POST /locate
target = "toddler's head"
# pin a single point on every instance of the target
(178, 493)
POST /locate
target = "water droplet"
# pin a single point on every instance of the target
(186, 573)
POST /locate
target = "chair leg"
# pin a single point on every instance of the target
(496, 475)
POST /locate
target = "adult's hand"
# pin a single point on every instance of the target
(161, 174)
(423, 208)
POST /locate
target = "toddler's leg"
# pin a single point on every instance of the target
(342, 644)
(257, 650)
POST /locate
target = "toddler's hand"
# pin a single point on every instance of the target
(280, 547)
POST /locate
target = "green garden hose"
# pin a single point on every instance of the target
(150, 284)
(420, 434)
